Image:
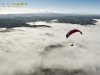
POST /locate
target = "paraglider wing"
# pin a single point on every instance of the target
(73, 31)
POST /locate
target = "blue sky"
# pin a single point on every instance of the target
(62, 6)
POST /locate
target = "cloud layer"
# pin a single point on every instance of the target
(39, 51)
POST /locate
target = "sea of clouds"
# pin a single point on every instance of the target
(47, 51)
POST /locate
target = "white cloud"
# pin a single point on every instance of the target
(28, 51)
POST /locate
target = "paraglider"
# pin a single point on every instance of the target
(71, 32)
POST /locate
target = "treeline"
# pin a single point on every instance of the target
(82, 20)
(10, 22)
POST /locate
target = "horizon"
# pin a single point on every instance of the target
(53, 6)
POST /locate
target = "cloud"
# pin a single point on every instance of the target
(26, 52)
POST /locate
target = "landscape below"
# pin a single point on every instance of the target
(19, 20)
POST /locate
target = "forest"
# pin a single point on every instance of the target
(10, 21)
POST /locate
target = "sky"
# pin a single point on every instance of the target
(58, 6)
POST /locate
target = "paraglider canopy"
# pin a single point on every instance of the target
(72, 31)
